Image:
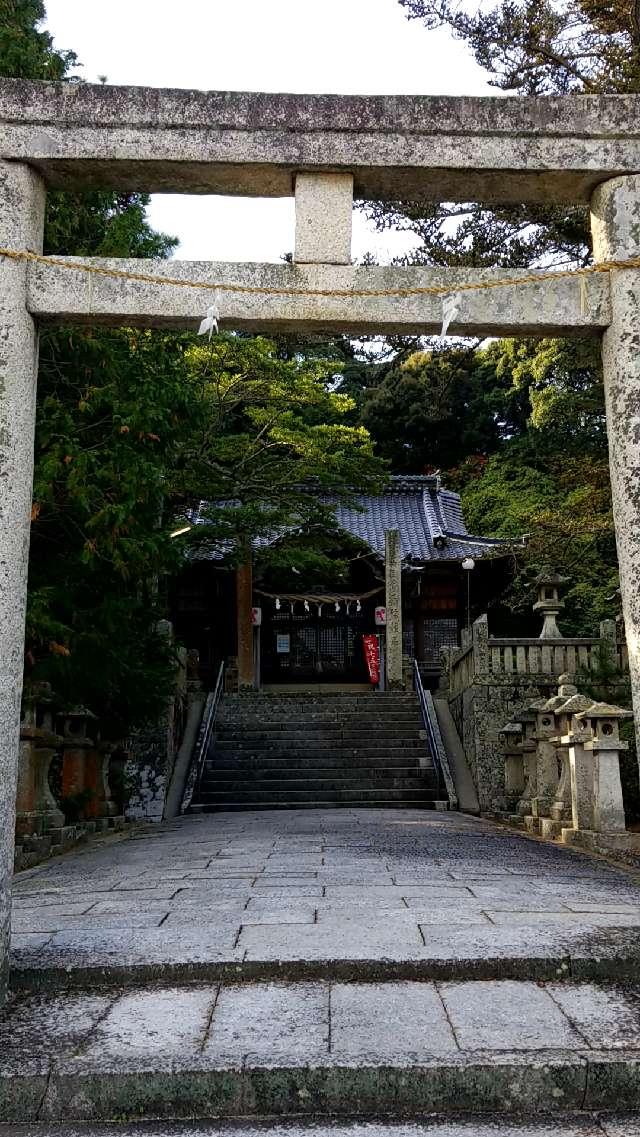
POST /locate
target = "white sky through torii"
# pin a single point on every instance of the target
(301, 46)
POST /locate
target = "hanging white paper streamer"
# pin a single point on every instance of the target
(277, 604)
(358, 607)
(337, 606)
(450, 309)
(210, 322)
(306, 606)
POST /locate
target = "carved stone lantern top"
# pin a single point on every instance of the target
(549, 603)
(603, 720)
(75, 723)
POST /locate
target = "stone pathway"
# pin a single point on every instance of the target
(400, 891)
(325, 964)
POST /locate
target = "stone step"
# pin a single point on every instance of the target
(583, 1124)
(270, 764)
(308, 743)
(311, 787)
(358, 795)
(308, 1050)
(315, 802)
(297, 735)
(363, 698)
(294, 776)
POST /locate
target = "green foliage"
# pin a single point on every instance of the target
(270, 428)
(26, 52)
(433, 409)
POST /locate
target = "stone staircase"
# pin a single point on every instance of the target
(298, 751)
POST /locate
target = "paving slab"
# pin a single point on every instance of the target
(507, 1015)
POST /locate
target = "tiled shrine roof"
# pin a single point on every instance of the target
(428, 518)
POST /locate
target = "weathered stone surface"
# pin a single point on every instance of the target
(550, 307)
(469, 899)
(615, 224)
(573, 1125)
(21, 226)
(393, 602)
(324, 209)
(434, 148)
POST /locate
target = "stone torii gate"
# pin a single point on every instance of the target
(322, 150)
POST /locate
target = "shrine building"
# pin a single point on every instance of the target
(308, 632)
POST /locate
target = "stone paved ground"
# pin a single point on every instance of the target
(405, 890)
(317, 966)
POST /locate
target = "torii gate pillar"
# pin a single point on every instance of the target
(615, 224)
(22, 199)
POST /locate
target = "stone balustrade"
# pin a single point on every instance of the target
(568, 768)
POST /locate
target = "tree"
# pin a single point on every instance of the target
(265, 431)
(435, 408)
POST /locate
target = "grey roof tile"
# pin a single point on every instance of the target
(418, 508)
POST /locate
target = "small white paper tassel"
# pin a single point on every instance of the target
(450, 308)
(210, 322)
(358, 607)
(277, 603)
(337, 606)
(306, 606)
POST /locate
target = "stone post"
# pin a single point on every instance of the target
(244, 595)
(393, 602)
(615, 225)
(547, 773)
(22, 198)
(581, 767)
(324, 212)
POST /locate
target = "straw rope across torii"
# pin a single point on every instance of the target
(345, 293)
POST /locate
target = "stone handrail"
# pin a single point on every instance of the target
(493, 656)
(543, 657)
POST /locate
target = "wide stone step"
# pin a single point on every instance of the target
(304, 1050)
(310, 786)
(273, 763)
(308, 743)
(338, 715)
(251, 806)
(313, 738)
(362, 772)
(357, 795)
(584, 1124)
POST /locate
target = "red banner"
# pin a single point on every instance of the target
(371, 650)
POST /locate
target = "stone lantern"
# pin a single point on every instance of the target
(527, 748)
(549, 603)
(601, 722)
(76, 724)
(512, 736)
(564, 706)
(37, 811)
(546, 762)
